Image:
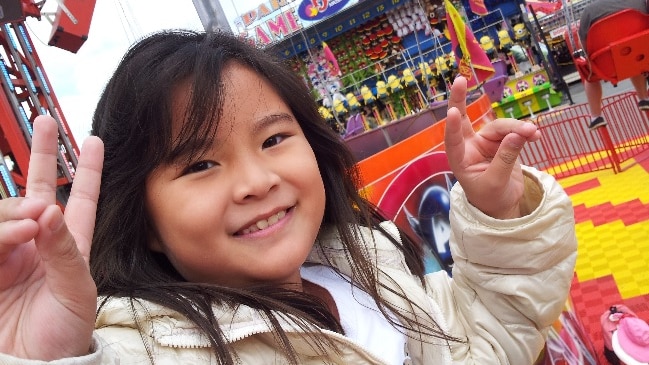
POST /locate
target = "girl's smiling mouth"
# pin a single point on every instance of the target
(263, 223)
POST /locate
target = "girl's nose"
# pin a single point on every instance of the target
(253, 180)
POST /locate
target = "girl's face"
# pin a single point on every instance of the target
(249, 210)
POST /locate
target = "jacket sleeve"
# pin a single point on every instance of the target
(510, 279)
(100, 354)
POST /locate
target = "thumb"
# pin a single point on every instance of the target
(67, 273)
(68, 293)
(507, 156)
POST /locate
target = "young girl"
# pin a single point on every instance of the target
(229, 229)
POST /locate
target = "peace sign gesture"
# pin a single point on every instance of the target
(47, 297)
(486, 162)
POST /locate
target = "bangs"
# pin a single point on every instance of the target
(197, 108)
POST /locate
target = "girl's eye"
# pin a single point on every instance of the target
(276, 139)
(198, 167)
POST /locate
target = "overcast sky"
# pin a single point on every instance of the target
(78, 79)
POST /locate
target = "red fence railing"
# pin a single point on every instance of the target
(569, 148)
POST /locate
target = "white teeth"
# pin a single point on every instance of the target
(265, 223)
(272, 220)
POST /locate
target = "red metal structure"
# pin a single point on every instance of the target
(27, 93)
(618, 55)
(615, 55)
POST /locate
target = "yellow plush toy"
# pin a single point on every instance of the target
(339, 108)
(396, 88)
(383, 94)
(352, 101)
(394, 83)
(412, 90)
(520, 32)
(381, 90)
(426, 71)
(370, 100)
(367, 95)
(505, 40)
(487, 44)
(408, 78)
(325, 113)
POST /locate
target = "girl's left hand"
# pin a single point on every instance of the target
(486, 162)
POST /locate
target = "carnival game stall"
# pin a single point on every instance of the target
(380, 59)
(369, 63)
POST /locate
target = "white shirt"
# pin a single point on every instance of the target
(360, 318)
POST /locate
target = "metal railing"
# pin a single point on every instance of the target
(568, 148)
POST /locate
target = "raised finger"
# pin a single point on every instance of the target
(68, 279)
(82, 205)
(454, 138)
(41, 178)
(458, 95)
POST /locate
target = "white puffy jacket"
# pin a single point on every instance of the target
(510, 282)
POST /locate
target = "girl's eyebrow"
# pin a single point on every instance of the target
(272, 119)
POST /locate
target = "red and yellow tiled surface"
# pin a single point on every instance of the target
(612, 225)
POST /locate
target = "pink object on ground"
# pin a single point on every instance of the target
(631, 341)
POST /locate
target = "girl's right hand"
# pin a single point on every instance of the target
(47, 296)
(486, 163)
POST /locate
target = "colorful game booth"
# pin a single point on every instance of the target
(376, 62)
(527, 95)
(380, 71)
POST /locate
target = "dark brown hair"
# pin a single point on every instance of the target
(133, 118)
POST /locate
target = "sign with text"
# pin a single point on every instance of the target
(276, 20)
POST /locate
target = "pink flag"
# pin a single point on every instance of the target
(478, 7)
(473, 62)
(329, 56)
(544, 6)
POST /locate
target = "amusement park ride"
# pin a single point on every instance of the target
(27, 93)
